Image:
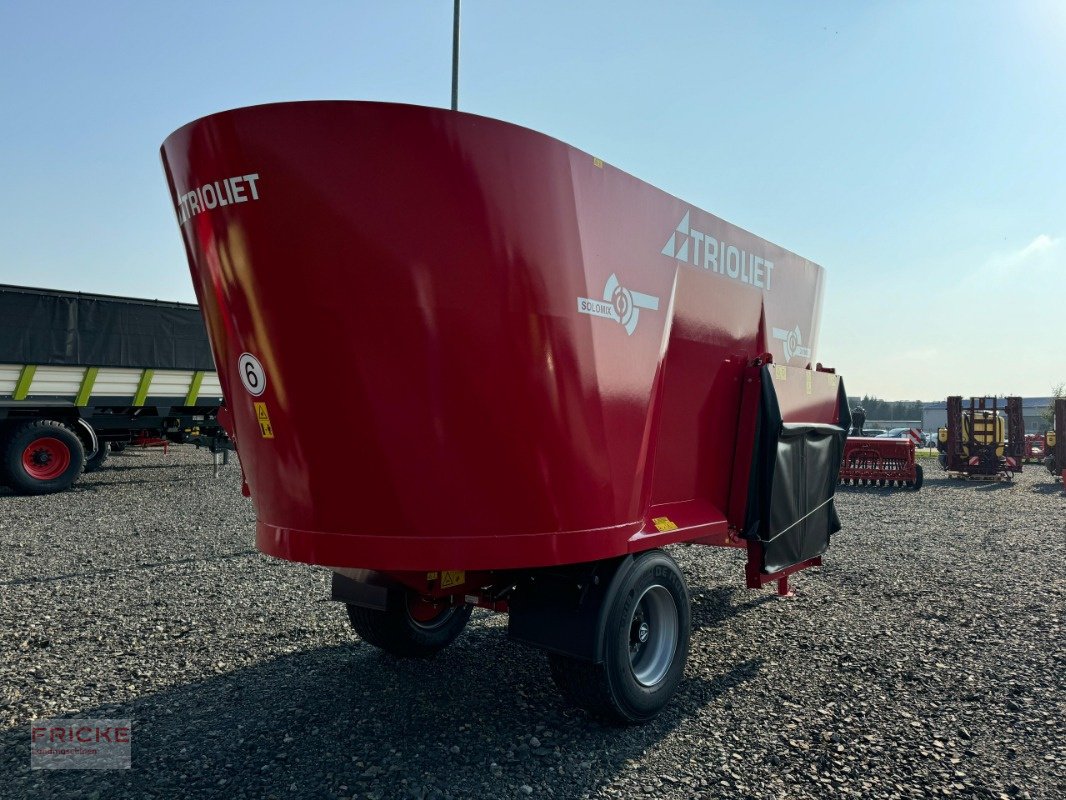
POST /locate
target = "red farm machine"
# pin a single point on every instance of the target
(550, 371)
(984, 440)
(880, 461)
(1035, 450)
(1055, 439)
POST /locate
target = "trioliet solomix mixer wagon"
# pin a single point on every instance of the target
(467, 364)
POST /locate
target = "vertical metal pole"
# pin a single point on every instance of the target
(455, 58)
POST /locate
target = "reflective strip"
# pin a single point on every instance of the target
(22, 388)
(86, 386)
(194, 388)
(142, 387)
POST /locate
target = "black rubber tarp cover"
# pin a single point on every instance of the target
(793, 481)
(61, 328)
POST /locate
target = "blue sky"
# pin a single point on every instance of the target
(915, 150)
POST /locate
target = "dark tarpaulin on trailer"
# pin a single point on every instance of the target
(61, 328)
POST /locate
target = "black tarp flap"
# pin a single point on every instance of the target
(59, 328)
(793, 481)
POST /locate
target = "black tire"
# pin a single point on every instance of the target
(97, 461)
(397, 632)
(919, 478)
(52, 466)
(639, 675)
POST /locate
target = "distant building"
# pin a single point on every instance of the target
(935, 415)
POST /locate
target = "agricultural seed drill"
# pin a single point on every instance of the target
(870, 461)
(984, 440)
(540, 371)
(881, 462)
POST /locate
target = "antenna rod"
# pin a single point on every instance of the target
(455, 59)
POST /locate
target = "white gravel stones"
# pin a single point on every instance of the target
(925, 659)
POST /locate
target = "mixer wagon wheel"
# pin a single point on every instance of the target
(41, 457)
(646, 646)
(417, 630)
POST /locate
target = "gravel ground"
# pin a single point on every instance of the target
(926, 658)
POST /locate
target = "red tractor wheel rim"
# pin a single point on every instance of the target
(427, 613)
(46, 459)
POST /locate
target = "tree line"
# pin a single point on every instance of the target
(876, 408)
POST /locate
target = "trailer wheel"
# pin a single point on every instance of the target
(418, 630)
(41, 457)
(646, 647)
(919, 478)
(97, 461)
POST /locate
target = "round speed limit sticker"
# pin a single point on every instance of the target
(252, 375)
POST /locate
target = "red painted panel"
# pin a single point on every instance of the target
(480, 347)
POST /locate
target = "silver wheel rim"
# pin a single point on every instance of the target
(653, 634)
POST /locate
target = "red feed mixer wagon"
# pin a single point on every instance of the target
(466, 364)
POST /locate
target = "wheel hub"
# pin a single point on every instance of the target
(45, 459)
(643, 631)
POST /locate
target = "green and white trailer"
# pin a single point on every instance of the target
(83, 373)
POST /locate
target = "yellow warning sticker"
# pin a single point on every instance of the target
(597, 162)
(449, 578)
(265, 428)
(432, 576)
(809, 379)
(781, 372)
(664, 524)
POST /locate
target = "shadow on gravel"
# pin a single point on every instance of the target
(713, 607)
(127, 467)
(994, 487)
(100, 485)
(1048, 488)
(96, 573)
(345, 720)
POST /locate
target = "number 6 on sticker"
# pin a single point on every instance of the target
(252, 374)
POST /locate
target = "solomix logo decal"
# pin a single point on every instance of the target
(619, 303)
(700, 249)
(793, 343)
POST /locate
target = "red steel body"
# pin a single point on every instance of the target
(476, 347)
